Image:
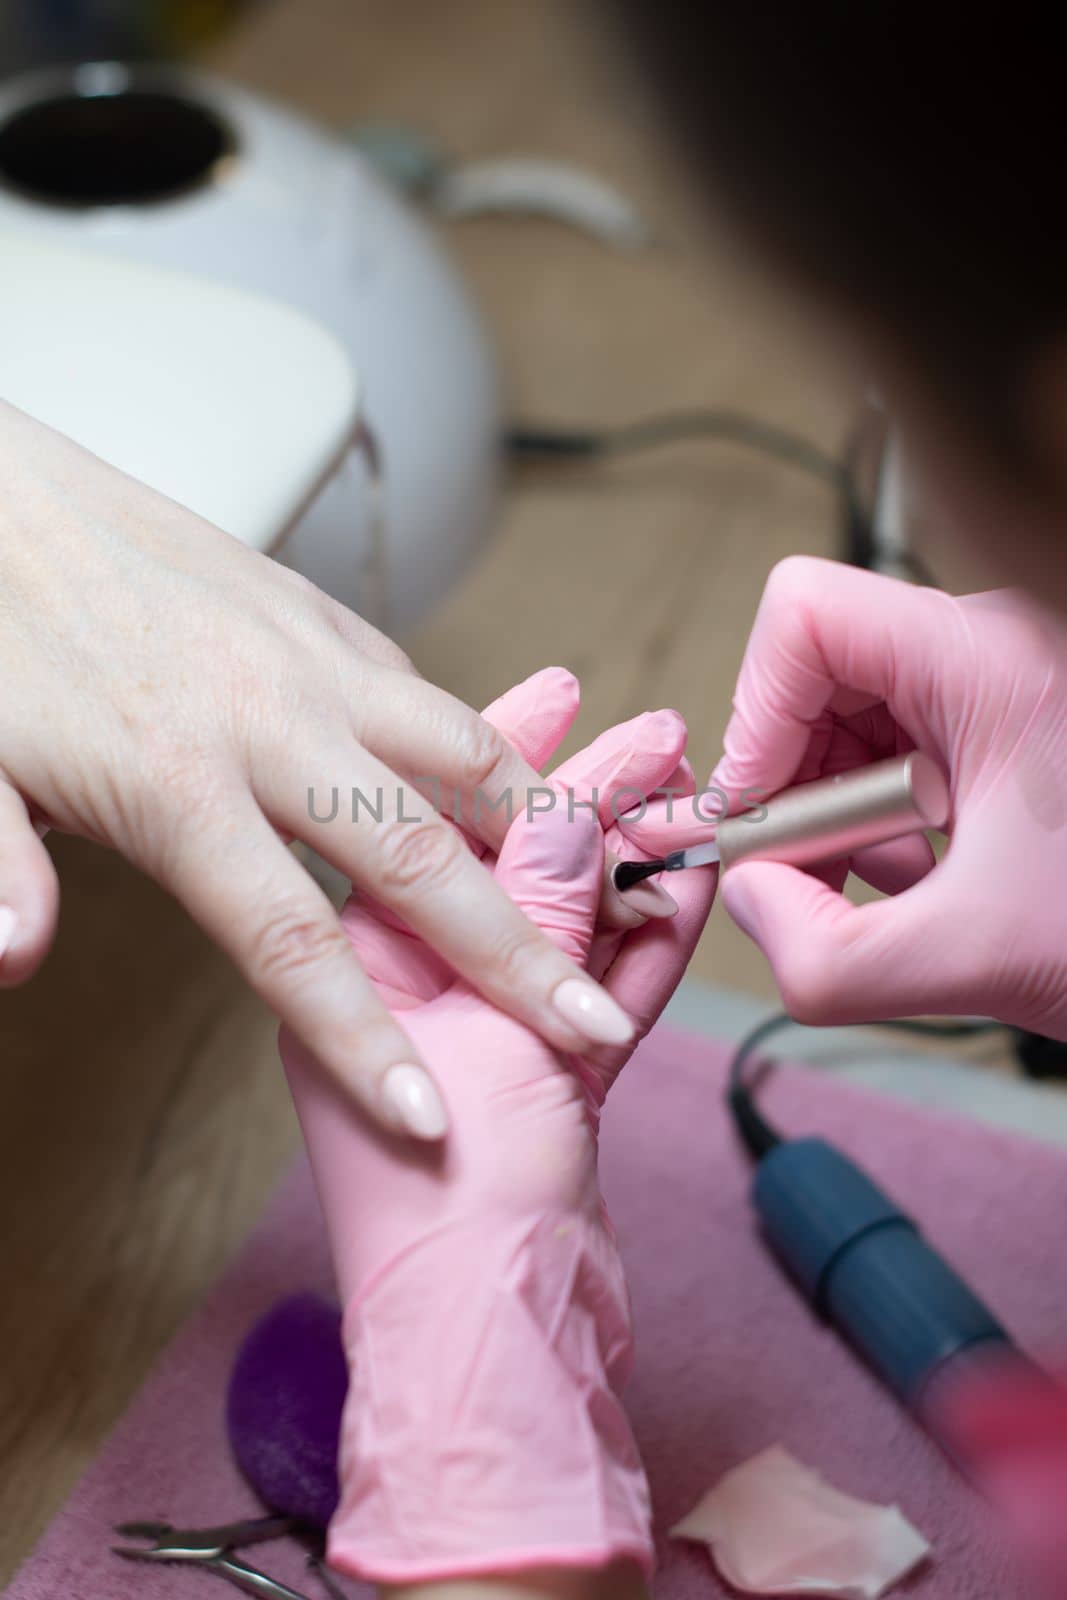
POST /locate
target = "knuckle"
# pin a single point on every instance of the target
(372, 1048)
(806, 986)
(291, 942)
(793, 578)
(362, 636)
(514, 953)
(481, 754)
(390, 655)
(173, 802)
(182, 777)
(412, 854)
(808, 1009)
(297, 586)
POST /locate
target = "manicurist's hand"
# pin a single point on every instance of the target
(188, 702)
(844, 667)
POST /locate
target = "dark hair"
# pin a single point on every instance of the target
(908, 160)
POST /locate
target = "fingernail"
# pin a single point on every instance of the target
(8, 923)
(412, 1100)
(592, 1012)
(651, 900)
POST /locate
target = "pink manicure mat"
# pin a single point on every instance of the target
(729, 1358)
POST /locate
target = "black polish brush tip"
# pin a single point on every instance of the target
(628, 873)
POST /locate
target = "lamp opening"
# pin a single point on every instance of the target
(126, 148)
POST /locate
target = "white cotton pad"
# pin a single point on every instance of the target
(774, 1526)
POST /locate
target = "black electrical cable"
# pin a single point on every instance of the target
(756, 1133)
(533, 442)
(529, 441)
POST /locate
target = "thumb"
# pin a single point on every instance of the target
(551, 864)
(835, 962)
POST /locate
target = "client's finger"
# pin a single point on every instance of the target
(649, 964)
(535, 717)
(419, 866)
(651, 969)
(618, 771)
(446, 752)
(250, 895)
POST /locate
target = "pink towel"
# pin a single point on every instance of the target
(729, 1359)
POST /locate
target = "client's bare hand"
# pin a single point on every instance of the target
(178, 697)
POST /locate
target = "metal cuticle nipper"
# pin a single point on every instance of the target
(212, 1549)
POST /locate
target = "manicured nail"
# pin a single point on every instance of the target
(592, 1012)
(8, 923)
(651, 900)
(412, 1100)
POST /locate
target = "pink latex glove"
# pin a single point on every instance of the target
(844, 667)
(486, 1322)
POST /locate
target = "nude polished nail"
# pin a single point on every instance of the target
(593, 1012)
(413, 1102)
(652, 900)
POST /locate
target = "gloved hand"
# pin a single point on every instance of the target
(844, 667)
(486, 1322)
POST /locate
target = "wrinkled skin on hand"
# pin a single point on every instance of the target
(192, 705)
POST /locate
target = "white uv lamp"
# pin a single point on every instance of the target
(225, 192)
(228, 402)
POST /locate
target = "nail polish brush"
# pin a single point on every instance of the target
(819, 821)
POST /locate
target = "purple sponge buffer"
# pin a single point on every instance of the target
(283, 1407)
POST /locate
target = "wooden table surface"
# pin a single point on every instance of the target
(143, 1118)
